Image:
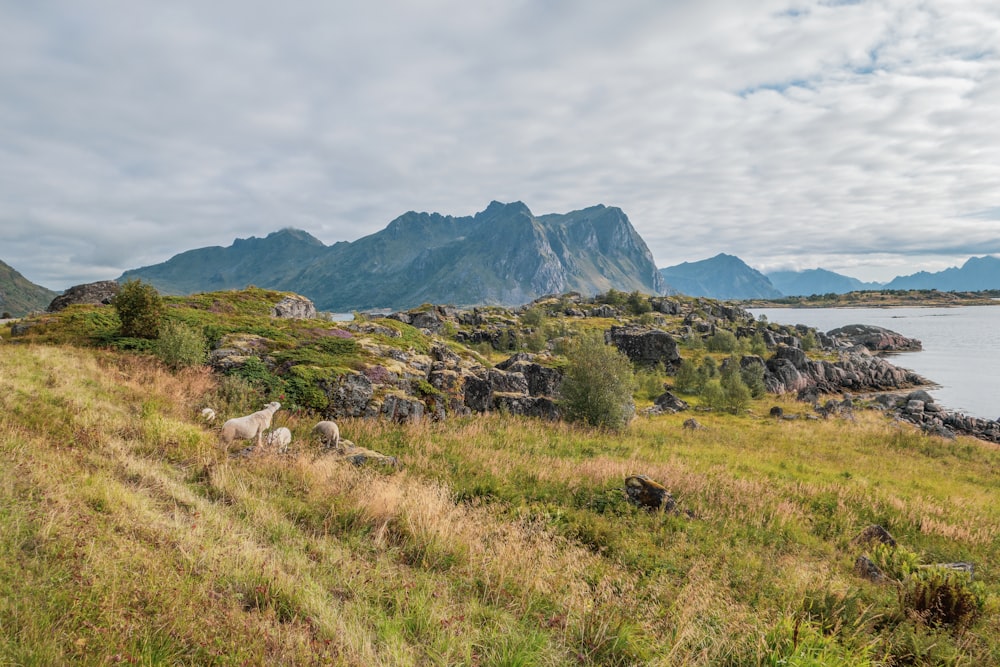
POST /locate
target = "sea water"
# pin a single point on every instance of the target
(961, 347)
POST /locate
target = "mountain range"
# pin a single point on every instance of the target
(503, 255)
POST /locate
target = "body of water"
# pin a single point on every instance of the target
(961, 347)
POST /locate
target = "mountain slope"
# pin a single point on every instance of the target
(720, 277)
(502, 255)
(816, 281)
(978, 273)
(19, 296)
(253, 261)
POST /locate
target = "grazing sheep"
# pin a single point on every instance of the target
(280, 438)
(208, 414)
(329, 433)
(250, 426)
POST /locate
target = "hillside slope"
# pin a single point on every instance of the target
(129, 536)
(19, 296)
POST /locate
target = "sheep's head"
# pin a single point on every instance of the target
(273, 407)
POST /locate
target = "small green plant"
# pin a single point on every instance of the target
(140, 309)
(938, 597)
(180, 345)
(649, 382)
(597, 384)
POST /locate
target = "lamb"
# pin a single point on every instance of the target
(250, 426)
(208, 414)
(329, 433)
(280, 438)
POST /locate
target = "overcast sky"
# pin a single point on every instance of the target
(862, 137)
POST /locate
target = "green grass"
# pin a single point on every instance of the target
(126, 534)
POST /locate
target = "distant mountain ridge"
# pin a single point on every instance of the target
(720, 277)
(817, 281)
(503, 255)
(19, 296)
(977, 274)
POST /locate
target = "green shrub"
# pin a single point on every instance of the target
(180, 345)
(597, 384)
(753, 377)
(722, 341)
(140, 309)
(649, 382)
(688, 379)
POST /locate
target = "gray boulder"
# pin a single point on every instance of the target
(875, 338)
(646, 347)
(99, 293)
(294, 307)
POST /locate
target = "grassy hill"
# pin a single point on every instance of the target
(128, 536)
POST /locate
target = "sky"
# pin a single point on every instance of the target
(860, 137)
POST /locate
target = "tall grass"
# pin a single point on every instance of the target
(128, 536)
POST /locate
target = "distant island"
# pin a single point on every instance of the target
(881, 298)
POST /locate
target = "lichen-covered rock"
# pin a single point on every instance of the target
(648, 494)
(400, 408)
(294, 307)
(99, 293)
(527, 406)
(349, 395)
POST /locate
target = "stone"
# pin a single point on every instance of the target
(294, 307)
(865, 568)
(668, 402)
(777, 412)
(99, 293)
(349, 395)
(647, 347)
(874, 533)
(648, 494)
(692, 424)
(875, 338)
(401, 409)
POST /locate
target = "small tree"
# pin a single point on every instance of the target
(688, 380)
(180, 345)
(140, 309)
(753, 377)
(597, 384)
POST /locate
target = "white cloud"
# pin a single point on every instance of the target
(859, 135)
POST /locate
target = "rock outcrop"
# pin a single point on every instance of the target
(644, 346)
(789, 370)
(874, 338)
(98, 293)
(294, 307)
(920, 409)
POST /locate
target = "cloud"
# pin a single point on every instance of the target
(859, 134)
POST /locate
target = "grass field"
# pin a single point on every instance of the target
(128, 537)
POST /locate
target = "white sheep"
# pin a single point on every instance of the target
(250, 426)
(329, 433)
(208, 415)
(279, 438)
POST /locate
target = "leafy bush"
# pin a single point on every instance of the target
(140, 309)
(180, 345)
(649, 382)
(688, 380)
(722, 341)
(597, 384)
